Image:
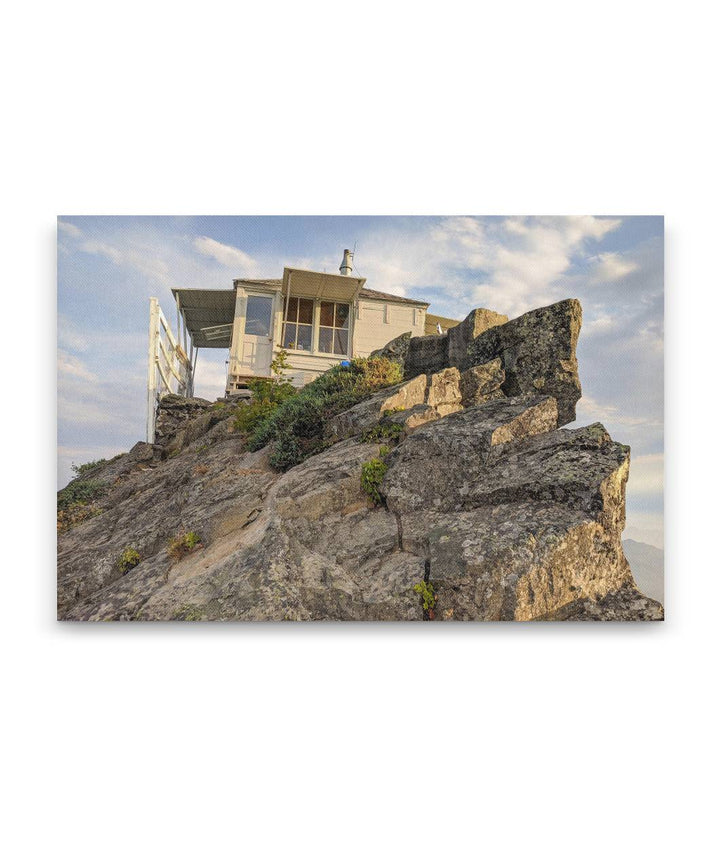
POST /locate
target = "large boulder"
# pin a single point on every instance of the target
(464, 334)
(515, 521)
(426, 355)
(396, 349)
(401, 396)
(537, 351)
(411, 403)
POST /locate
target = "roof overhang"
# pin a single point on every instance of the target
(323, 286)
(208, 315)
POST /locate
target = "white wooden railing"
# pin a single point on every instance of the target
(169, 368)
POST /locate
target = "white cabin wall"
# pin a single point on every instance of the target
(372, 326)
(378, 322)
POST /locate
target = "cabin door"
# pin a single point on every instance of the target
(258, 341)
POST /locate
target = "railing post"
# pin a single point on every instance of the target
(152, 370)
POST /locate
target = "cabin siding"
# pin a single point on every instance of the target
(379, 321)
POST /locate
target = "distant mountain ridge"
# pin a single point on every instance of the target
(647, 564)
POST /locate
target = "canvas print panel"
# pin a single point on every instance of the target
(360, 418)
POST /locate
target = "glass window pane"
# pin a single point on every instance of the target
(341, 342)
(342, 314)
(258, 315)
(304, 337)
(292, 308)
(327, 312)
(305, 313)
(325, 343)
(290, 336)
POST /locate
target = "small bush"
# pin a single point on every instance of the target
(80, 492)
(373, 472)
(183, 544)
(74, 514)
(268, 395)
(81, 469)
(382, 431)
(129, 559)
(427, 593)
(296, 428)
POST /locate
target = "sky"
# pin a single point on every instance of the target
(109, 267)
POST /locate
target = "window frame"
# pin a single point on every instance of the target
(315, 336)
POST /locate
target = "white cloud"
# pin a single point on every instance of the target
(508, 264)
(230, 257)
(71, 365)
(69, 229)
(598, 325)
(99, 248)
(610, 267)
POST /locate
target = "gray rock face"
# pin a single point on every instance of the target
(537, 351)
(419, 400)
(507, 515)
(515, 521)
(443, 391)
(426, 355)
(508, 518)
(367, 413)
(461, 337)
(625, 604)
(395, 350)
(482, 383)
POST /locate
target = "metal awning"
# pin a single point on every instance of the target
(208, 315)
(323, 286)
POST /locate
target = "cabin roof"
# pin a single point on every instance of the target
(371, 294)
(365, 293)
(208, 315)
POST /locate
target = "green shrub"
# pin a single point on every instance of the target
(268, 395)
(129, 559)
(182, 544)
(75, 502)
(80, 492)
(382, 431)
(373, 472)
(81, 469)
(427, 593)
(296, 428)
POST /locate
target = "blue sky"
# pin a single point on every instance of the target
(108, 268)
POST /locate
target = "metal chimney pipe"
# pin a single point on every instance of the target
(346, 266)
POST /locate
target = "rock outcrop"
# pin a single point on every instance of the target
(485, 498)
(536, 351)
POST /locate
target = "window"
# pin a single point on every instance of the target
(331, 320)
(334, 323)
(298, 324)
(258, 315)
